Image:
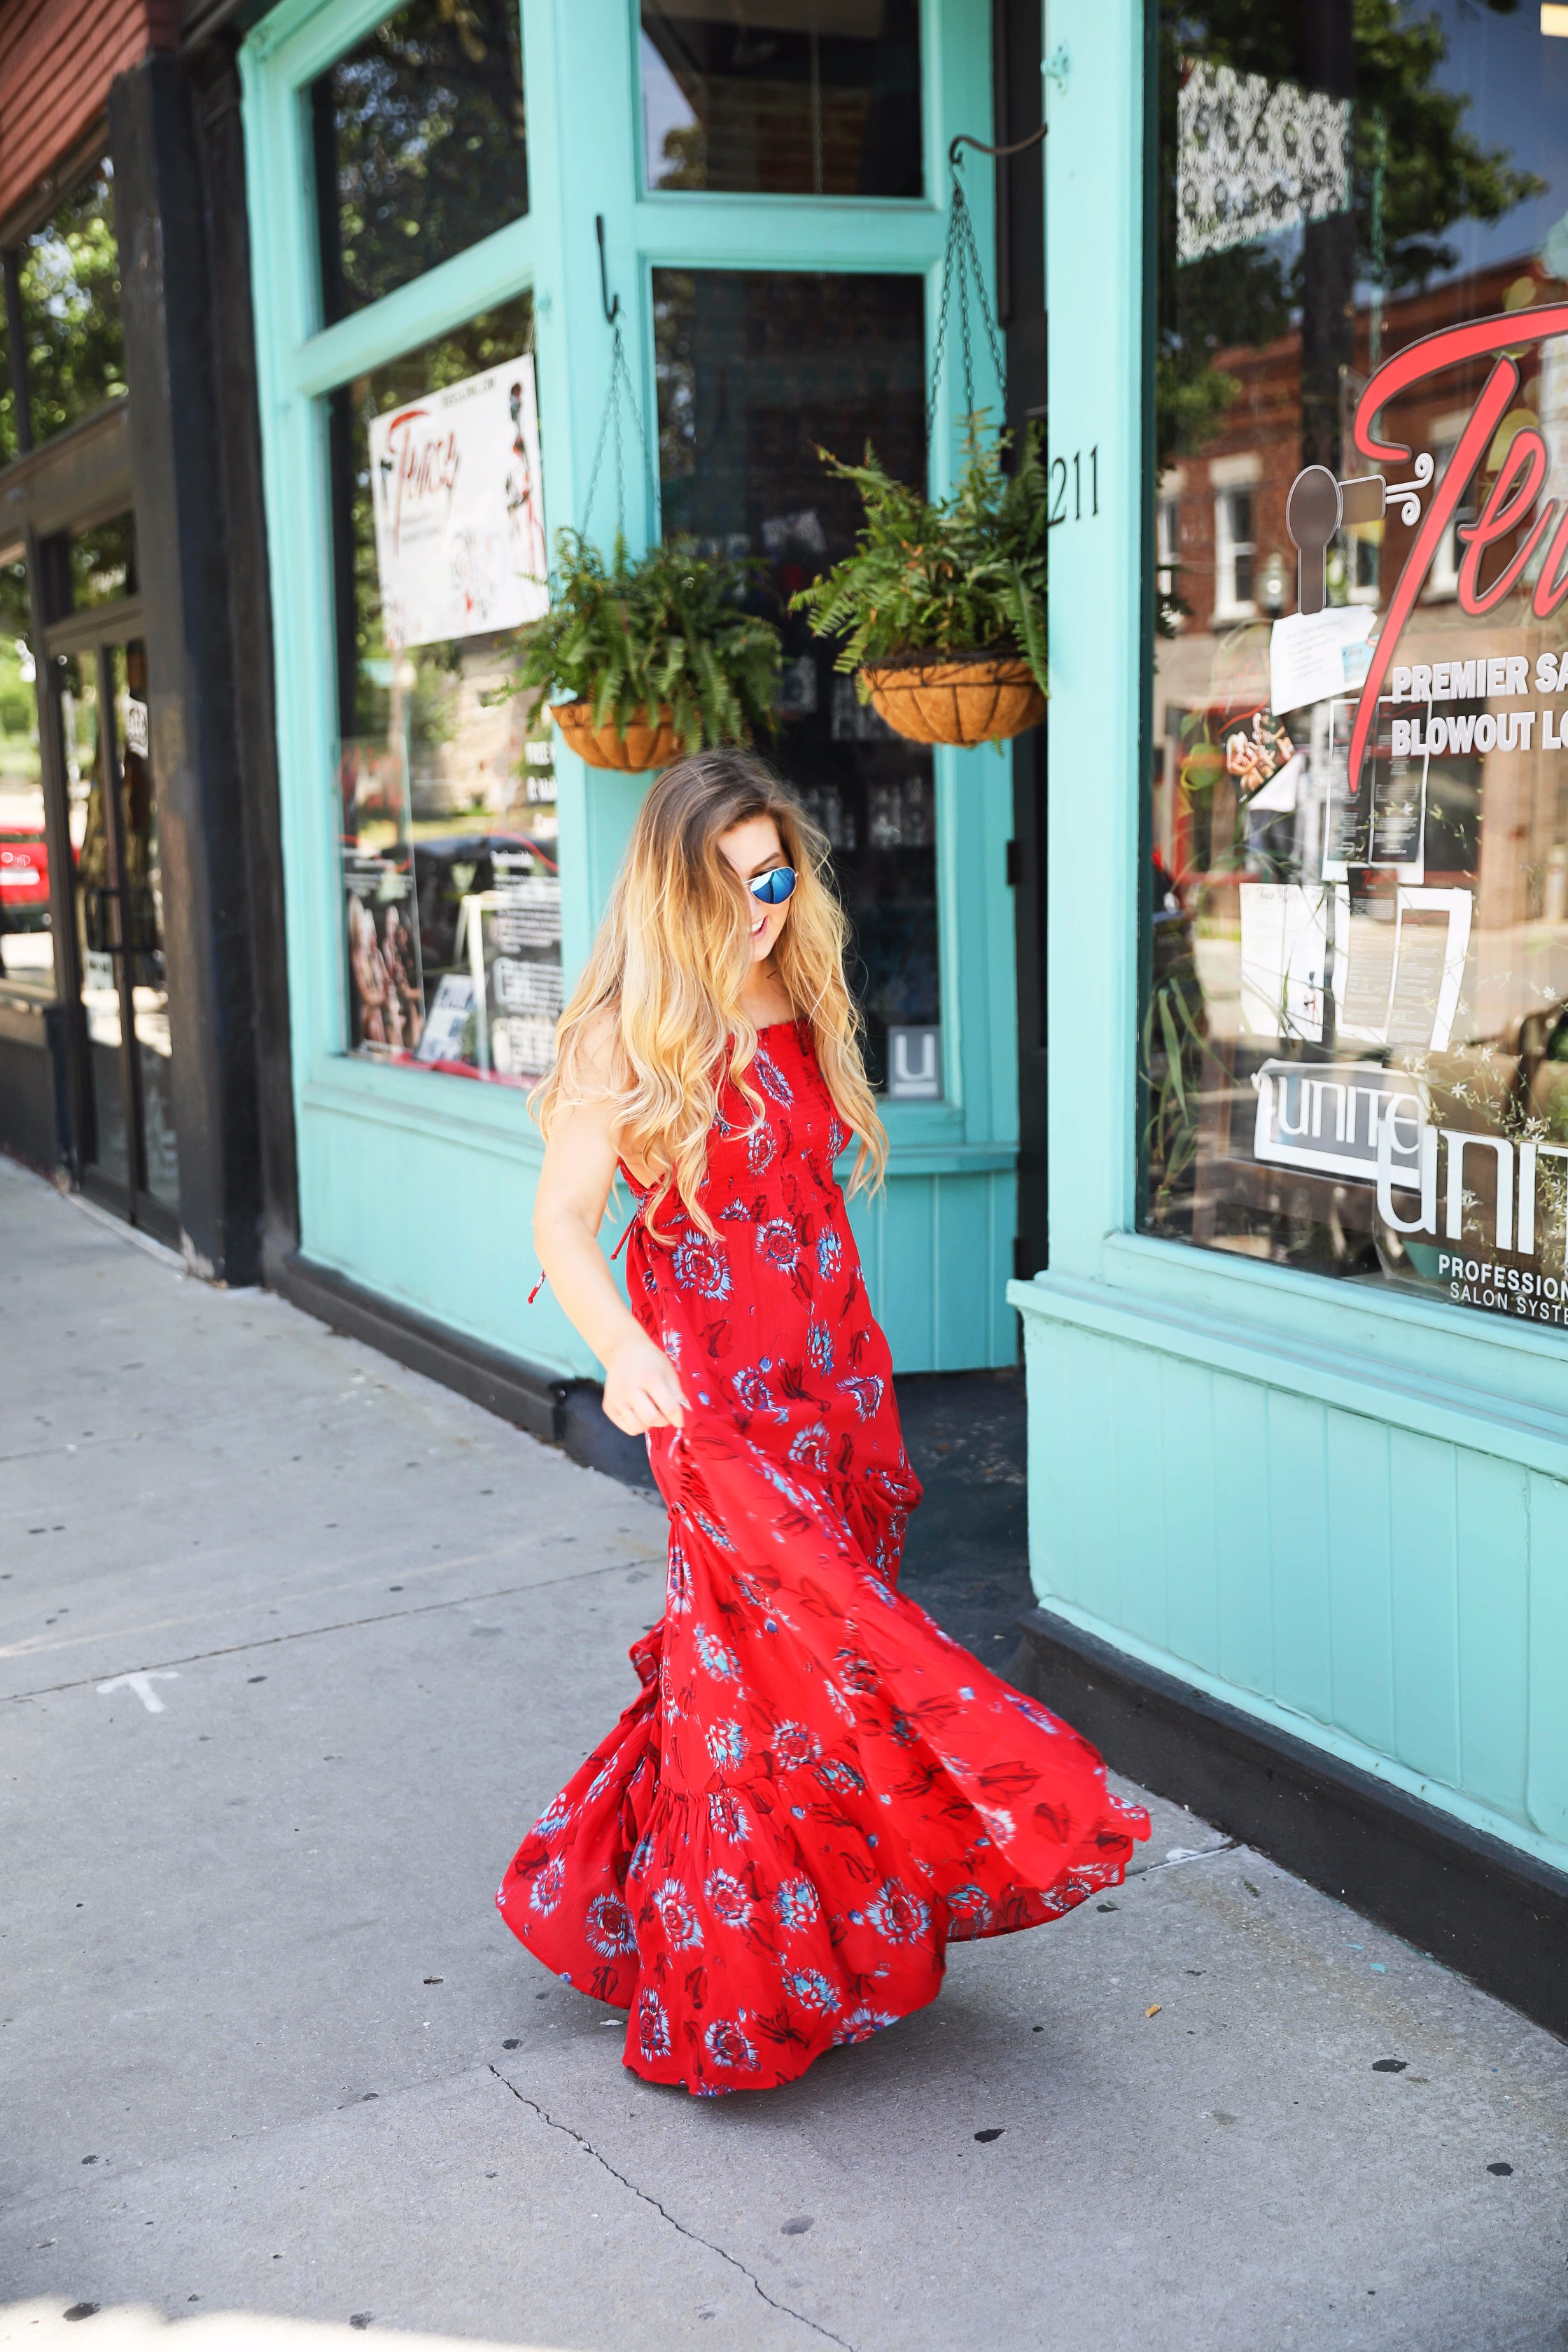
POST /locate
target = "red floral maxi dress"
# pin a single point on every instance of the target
(817, 1791)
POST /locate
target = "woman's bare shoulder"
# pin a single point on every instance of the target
(597, 1059)
(590, 1079)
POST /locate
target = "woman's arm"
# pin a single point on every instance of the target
(642, 1388)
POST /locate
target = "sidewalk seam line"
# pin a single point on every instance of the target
(648, 2199)
(344, 1625)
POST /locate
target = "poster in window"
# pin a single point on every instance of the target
(460, 511)
(385, 990)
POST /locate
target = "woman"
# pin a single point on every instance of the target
(817, 1790)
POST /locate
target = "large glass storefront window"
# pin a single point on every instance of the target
(26, 941)
(421, 145)
(755, 369)
(805, 98)
(1355, 1042)
(451, 893)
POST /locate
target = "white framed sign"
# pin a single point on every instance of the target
(459, 509)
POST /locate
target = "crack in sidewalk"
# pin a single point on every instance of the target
(342, 1625)
(696, 2237)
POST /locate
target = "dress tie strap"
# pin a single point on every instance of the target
(615, 1254)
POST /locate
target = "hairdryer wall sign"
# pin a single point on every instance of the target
(1321, 651)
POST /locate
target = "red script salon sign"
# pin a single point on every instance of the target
(1509, 500)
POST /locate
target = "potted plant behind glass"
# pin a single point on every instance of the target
(942, 607)
(651, 658)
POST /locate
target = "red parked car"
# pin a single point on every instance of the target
(24, 878)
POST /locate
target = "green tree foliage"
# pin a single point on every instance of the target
(421, 130)
(670, 628)
(964, 574)
(70, 273)
(1416, 173)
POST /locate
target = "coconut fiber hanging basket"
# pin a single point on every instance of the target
(637, 752)
(972, 699)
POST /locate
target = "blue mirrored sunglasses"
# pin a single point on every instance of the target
(774, 887)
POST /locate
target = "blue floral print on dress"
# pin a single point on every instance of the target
(714, 1658)
(728, 2046)
(609, 1926)
(771, 1079)
(797, 1905)
(727, 1746)
(701, 1266)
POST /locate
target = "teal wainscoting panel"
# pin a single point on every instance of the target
(1361, 1599)
(1073, 1546)
(362, 1184)
(937, 1250)
(1244, 1520)
(1136, 1502)
(1400, 1597)
(1494, 1628)
(1055, 1477)
(971, 1249)
(1548, 1783)
(1299, 1563)
(894, 1234)
(1423, 1520)
(1189, 1503)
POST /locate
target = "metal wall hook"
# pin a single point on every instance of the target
(964, 140)
(612, 310)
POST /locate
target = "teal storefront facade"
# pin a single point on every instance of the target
(1297, 1477)
(415, 1184)
(1299, 1502)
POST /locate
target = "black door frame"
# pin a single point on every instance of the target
(93, 634)
(79, 477)
(1017, 33)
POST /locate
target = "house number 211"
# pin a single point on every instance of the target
(1083, 469)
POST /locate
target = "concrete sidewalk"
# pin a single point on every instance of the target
(268, 2050)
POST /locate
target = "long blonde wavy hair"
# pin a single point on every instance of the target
(664, 980)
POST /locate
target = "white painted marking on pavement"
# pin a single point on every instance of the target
(143, 1686)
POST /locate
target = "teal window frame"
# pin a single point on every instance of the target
(550, 252)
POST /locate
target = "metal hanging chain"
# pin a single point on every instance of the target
(964, 250)
(620, 387)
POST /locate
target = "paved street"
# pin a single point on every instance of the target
(268, 2050)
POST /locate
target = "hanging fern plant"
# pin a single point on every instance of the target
(641, 661)
(941, 606)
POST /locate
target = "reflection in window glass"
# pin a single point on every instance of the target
(755, 368)
(99, 566)
(1354, 1051)
(70, 272)
(9, 442)
(26, 944)
(451, 888)
(785, 97)
(420, 145)
(108, 1146)
(120, 921)
(142, 902)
